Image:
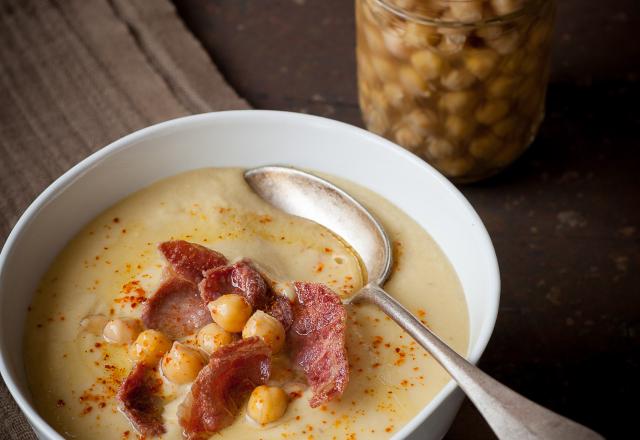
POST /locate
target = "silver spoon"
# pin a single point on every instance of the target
(510, 415)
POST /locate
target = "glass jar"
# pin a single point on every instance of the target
(461, 83)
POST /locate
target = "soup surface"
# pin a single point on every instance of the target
(74, 375)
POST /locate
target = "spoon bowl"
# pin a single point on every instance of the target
(299, 193)
(305, 195)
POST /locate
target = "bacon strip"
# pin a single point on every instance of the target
(317, 340)
(176, 309)
(243, 279)
(138, 399)
(220, 388)
(189, 259)
(280, 308)
(238, 278)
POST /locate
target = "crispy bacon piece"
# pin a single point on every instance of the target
(189, 259)
(238, 278)
(176, 309)
(139, 400)
(280, 308)
(220, 388)
(317, 340)
(242, 278)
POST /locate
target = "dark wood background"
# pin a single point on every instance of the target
(565, 219)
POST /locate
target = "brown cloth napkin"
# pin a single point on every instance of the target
(74, 76)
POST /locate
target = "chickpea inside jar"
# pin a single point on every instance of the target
(461, 83)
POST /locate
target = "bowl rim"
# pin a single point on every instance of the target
(93, 160)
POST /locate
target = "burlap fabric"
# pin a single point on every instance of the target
(76, 75)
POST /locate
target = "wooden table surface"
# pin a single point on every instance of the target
(565, 219)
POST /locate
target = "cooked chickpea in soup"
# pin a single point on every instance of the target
(194, 309)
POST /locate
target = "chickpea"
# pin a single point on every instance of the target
(417, 35)
(94, 324)
(504, 7)
(422, 121)
(149, 347)
(230, 312)
(506, 43)
(457, 79)
(452, 42)
(512, 62)
(374, 40)
(267, 404)
(122, 330)
(384, 68)
(458, 127)
(489, 32)
(457, 102)
(377, 121)
(427, 63)
(434, 8)
(481, 62)
(394, 93)
(285, 289)
(379, 100)
(404, 4)
(501, 87)
(407, 137)
(492, 111)
(467, 11)
(266, 327)
(506, 155)
(439, 148)
(413, 82)
(182, 364)
(456, 167)
(395, 45)
(484, 147)
(212, 337)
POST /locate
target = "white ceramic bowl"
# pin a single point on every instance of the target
(246, 139)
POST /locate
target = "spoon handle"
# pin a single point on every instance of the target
(510, 415)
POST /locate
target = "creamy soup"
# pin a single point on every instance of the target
(113, 262)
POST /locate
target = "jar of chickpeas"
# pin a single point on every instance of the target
(461, 83)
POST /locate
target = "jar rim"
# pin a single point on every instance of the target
(530, 5)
